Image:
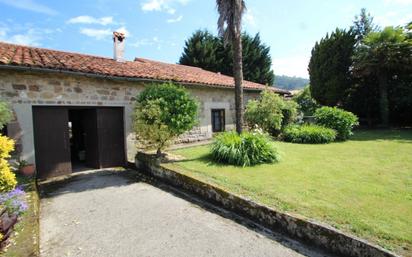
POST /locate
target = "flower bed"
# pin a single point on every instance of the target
(12, 205)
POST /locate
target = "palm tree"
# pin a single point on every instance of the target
(229, 27)
(383, 54)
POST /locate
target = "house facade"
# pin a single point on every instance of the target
(73, 110)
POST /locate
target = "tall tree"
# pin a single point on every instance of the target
(206, 51)
(202, 50)
(363, 25)
(230, 26)
(384, 55)
(329, 67)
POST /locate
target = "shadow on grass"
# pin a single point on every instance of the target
(398, 135)
(203, 159)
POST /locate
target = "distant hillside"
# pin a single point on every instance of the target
(290, 83)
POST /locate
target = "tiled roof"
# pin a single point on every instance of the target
(24, 56)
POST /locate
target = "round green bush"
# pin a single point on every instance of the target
(246, 149)
(340, 120)
(163, 112)
(308, 134)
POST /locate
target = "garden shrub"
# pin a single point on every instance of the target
(7, 177)
(289, 112)
(163, 112)
(270, 112)
(340, 120)
(246, 149)
(307, 105)
(308, 134)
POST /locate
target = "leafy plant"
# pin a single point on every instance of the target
(340, 120)
(384, 55)
(289, 112)
(308, 134)
(307, 104)
(163, 112)
(246, 149)
(7, 177)
(270, 112)
(5, 114)
(14, 201)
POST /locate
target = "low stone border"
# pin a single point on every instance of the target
(312, 232)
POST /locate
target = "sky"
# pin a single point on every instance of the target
(157, 29)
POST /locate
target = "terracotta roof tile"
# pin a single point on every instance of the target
(17, 55)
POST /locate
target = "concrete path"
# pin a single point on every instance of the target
(122, 214)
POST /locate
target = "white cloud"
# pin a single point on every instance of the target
(96, 33)
(152, 42)
(124, 31)
(24, 34)
(85, 19)
(249, 18)
(175, 19)
(100, 34)
(31, 37)
(162, 5)
(3, 31)
(30, 5)
(291, 66)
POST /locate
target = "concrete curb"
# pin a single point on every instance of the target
(312, 232)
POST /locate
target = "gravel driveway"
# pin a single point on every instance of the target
(108, 213)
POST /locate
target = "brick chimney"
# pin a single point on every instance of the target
(118, 46)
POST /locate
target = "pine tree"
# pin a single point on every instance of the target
(201, 50)
(208, 52)
(329, 67)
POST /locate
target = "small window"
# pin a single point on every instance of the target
(218, 120)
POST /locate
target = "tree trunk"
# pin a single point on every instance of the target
(383, 98)
(158, 153)
(238, 76)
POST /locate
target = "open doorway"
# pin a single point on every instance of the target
(77, 137)
(70, 139)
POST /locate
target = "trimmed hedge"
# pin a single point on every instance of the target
(308, 134)
(340, 120)
(246, 149)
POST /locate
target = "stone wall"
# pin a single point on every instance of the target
(26, 89)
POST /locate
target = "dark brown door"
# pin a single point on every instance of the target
(51, 141)
(91, 138)
(111, 137)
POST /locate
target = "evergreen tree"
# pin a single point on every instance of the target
(201, 50)
(208, 52)
(363, 25)
(329, 67)
(385, 55)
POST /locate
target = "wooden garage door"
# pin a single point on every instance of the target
(51, 141)
(111, 137)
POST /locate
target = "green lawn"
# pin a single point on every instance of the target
(363, 185)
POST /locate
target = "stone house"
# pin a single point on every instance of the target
(74, 110)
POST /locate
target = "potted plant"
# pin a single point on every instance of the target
(26, 168)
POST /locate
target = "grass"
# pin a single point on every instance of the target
(25, 239)
(362, 186)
